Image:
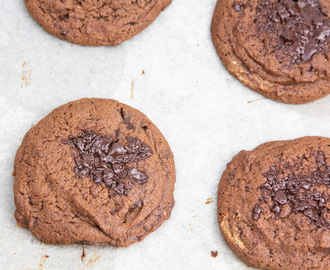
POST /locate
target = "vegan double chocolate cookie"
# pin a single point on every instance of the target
(274, 204)
(278, 48)
(95, 22)
(94, 171)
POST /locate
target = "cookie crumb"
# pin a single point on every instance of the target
(94, 259)
(143, 73)
(83, 254)
(26, 74)
(214, 253)
(209, 200)
(255, 100)
(42, 262)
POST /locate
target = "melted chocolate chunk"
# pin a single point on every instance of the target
(238, 6)
(256, 212)
(105, 160)
(303, 29)
(125, 119)
(299, 192)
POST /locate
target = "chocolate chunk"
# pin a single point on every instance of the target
(302, 27)
(138, 176)
(256, 212)
(238, 7)
(126, 119)
(280, 197)
(277, 210)
(104, 160)
(117, 149)
(108, 173)
(297, 191)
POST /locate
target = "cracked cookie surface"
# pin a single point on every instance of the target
(274, 204)
(94, 171)
(278, 48)
(95, 22)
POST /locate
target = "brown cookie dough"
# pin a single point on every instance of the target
(278, 48)
(94, 171)
(274, 205)
(95, 22)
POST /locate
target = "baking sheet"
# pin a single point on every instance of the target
(180, 84)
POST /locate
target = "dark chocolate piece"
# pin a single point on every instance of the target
(297, 191)
(302, 27)
(105, 160)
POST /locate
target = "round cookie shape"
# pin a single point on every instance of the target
(278, 48)
(96, 172)
(274, 204)
(95, 22)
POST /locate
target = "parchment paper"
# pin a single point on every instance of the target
(205, 114)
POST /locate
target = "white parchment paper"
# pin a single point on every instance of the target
(204, 113)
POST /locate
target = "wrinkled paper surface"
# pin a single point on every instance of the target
(179, 82)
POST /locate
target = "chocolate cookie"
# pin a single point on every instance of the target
(278, 48)
(95, 22)
(94, 171)
(274, 204)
